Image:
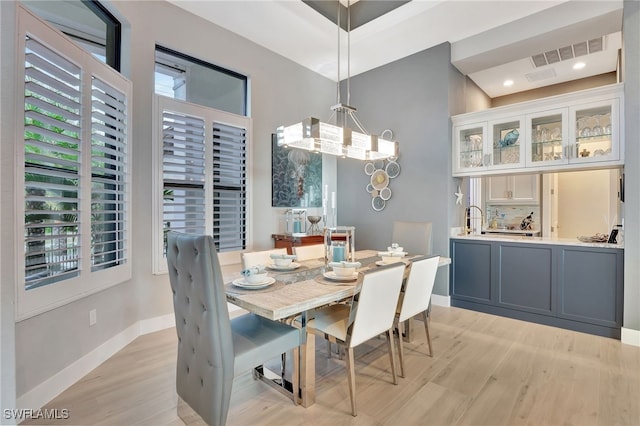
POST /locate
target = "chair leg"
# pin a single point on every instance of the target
(295, 376)
(392, 355)
(283, 365)
(351, 378)
(425, 319)
(401, 348)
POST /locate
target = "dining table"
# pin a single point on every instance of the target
(294, 295)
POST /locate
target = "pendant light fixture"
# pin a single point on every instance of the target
(338, 139)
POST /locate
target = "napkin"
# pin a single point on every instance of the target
(258, 269)
(283, 256)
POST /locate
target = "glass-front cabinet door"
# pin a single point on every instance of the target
(547, 133)
(595, 137)
(507, 142)
(470, 147)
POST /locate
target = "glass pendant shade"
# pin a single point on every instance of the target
(314, 135)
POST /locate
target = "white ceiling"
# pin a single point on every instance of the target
(491, 40)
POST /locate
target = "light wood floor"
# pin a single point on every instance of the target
(487, 370)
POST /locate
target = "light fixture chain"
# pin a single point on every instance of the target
(348, 52)
(338, 100)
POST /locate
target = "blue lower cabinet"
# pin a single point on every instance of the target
(591, 288)
(573, 287)
(525, 278)
(471, 274)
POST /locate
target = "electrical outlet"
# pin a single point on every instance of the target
(93, 317)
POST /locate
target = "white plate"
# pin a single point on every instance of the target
(242, 283)
(332, 276)
(291, 266)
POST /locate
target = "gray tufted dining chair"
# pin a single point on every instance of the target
(414, 237)
(212, 348)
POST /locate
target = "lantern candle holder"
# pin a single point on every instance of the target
(296, 221)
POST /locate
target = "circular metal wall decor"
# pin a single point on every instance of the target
(369, 168)
(379, 179)
(392, 169)
(385, 193)
(380, 173)
(378, 204)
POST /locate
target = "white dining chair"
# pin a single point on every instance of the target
(254, 258)
(414, 237)
(314, 251)
(415, 299)
(212, 348)
(371, 314)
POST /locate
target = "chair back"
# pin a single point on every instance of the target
(376, 304)
(315, 251)
(415, 237)
(205, 365)
(417, 292)
(254, 258)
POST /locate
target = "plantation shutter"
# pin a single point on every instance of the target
(202, 171)
(183, 166)
(52, 156)
(108, 175)
(229, 187)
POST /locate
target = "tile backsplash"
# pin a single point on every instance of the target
(510, 216)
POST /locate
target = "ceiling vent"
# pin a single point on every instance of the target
(540, 75)
(568, 52)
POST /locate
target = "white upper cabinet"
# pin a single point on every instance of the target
(548, 136)
(470, 153)
(506, 137)
(513, 189)
(578, 130)
(595, 137)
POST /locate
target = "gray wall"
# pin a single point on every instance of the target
(275, 83)
(7, 255)
(412, 98)
(631, 78)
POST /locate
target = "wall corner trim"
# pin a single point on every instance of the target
(630, 336)
(59, 382)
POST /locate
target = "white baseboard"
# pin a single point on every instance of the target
(59, 382)
(156, 324)
(630, 336)
(440, 300)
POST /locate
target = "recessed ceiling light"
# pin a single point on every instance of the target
(579, 65)
(508, 83)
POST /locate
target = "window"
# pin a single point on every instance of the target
(88, 23)
(186, 78)
(202, 164)
(75, 171)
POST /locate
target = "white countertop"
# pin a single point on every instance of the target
(537, 240)
(510, 231)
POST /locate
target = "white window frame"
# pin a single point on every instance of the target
(41, 299)
(210, 115)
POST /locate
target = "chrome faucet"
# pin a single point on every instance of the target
(467, 218)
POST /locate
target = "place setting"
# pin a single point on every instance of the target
(341, 273)
(395, 253)
(254, 278)
(283, 262)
